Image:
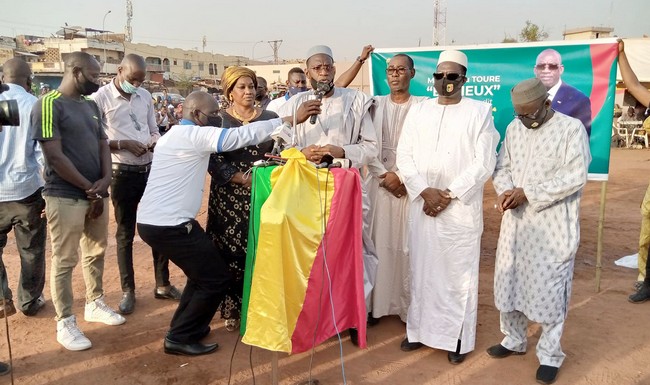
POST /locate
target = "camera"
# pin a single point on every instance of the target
(9, 114)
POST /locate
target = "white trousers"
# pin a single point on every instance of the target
(514, 326)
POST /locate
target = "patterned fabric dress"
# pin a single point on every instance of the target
(228, 209)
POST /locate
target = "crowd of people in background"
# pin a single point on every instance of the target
(423, 162)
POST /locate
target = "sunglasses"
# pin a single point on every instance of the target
(549, 66)
(449, 75)
(531, 116)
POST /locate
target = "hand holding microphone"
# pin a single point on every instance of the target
(304, 111)
(321, 90)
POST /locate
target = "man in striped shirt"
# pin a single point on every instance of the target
(77, 175)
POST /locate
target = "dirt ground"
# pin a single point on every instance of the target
(605, 339)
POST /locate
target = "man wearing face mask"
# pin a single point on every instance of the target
(69, 128)
(296, 83)
(262, 99)
(178, 172)
(446, 153)
(128, 115)
(540, 172)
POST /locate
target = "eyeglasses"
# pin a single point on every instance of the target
(549, 66)
(135, 121)
(449, 75)
(322, 67)
(530, 116)
(398, 70)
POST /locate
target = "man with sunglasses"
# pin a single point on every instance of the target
(446, 153)
(69, 128)
(565, 98)
(178, 172)
(389, 205)
(540, 172)
(128, 115)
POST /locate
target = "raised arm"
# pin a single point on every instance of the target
(629, 77)
(348, 76)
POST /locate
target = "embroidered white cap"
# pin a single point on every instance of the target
(320, 49)
(453, 56)
(528, 91)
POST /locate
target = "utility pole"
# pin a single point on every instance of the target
(128, 32)
(275, 45)
(439, 22)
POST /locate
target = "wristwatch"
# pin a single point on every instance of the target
(359, 60)
(451, 194)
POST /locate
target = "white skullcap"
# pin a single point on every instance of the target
(318, 49)
(454, 57)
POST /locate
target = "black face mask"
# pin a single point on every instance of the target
(215, 121)
(534, 123)
(323, 87)
(446, 87)
(87, 87)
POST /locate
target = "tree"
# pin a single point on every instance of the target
(532, 32)
(508, 39)
(184, 83)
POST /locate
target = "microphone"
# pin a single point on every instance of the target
(321, 90)
(325, 161)
(281, 136)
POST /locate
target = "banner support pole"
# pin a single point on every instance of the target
(275, 375)
(599, 245)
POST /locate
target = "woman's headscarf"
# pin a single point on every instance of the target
(232, 74)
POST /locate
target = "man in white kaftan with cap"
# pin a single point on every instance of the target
(389, 204)
(343, 129)
(446, 153)
(540, 172)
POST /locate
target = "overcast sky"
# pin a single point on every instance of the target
(233, 27)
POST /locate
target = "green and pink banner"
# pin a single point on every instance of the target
(587, 66)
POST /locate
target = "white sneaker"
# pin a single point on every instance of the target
(69, 335)
(98, 311)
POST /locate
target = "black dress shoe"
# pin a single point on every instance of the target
(372, 321)
(354, 336)
(4, 368)
(642, 295)
(546, 374)
(196, 349)
(499, 351)
(407, 346)
(167, 292)
(127, 304)
(455, 358)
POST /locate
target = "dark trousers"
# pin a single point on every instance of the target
(646, 280)
(127, 188)
(24, 217)
(191, 249)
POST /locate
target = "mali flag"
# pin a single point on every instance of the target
(304, 268)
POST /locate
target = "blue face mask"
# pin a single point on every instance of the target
(294, 90)
(128, 87)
